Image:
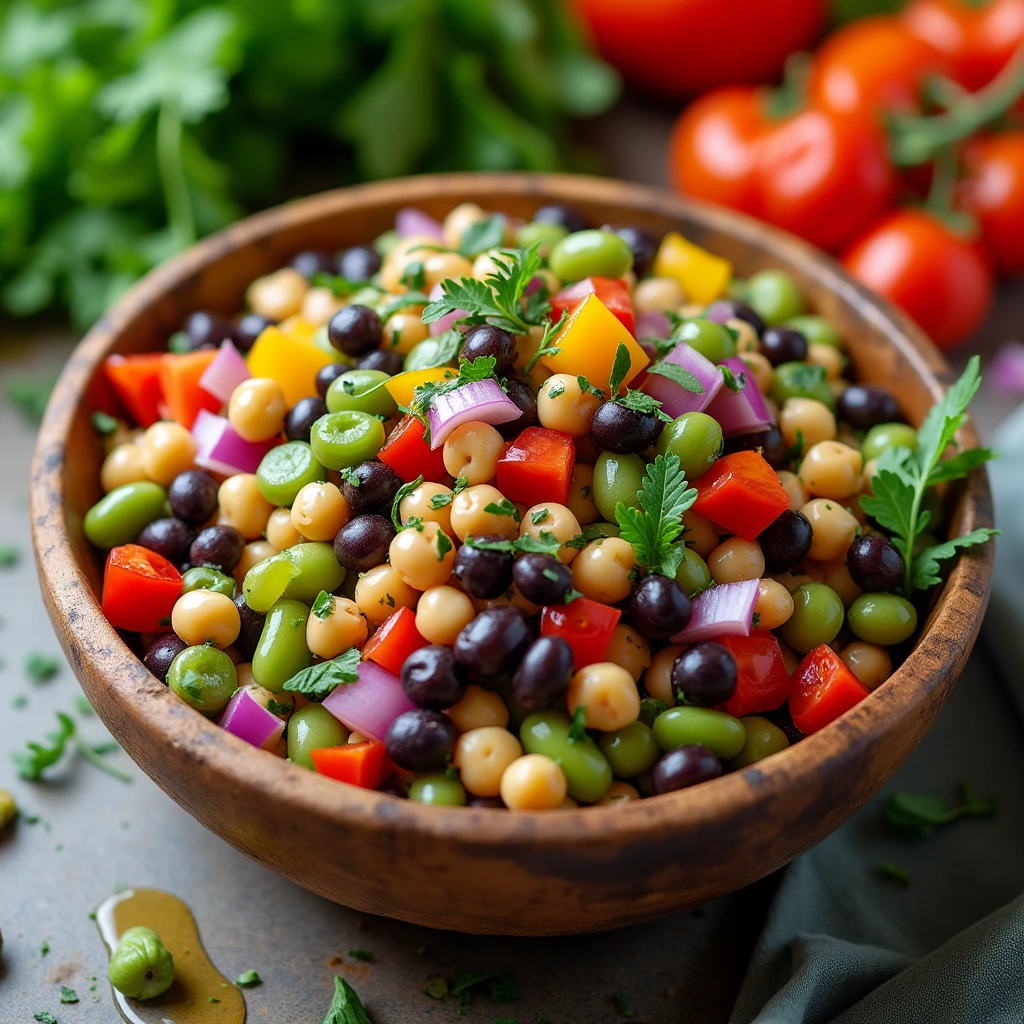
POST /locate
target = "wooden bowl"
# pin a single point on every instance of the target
(480, 870)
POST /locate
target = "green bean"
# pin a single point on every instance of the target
(285, 470)
(282, 650)
(120, 516)
(343, 439)
(362, 390)
(205, 577)
(437, 789)
(630, 750)
(719, 732)
(267, 581)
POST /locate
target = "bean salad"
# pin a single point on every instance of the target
(522, 515)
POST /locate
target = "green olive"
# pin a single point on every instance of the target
(343, 439)
(316, 570)
(774, 296)
(884, 619)
(617, 478)
(282, 650)
(437, 789)
(203, 677)
(712, 340)
(693, 573)
(589, 253)
(816, 329)
(285, 470)
(887, 435)
(141, 967)
(205, 577)
(586, 770)
(120, 516)
(817, 617)
(721, 733)
(313, 728)
(538, 231)
(630, 750)
(801, 380)
(362, 390)
(696, 438)
(761, 738)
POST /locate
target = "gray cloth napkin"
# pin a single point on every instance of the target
(845, 945)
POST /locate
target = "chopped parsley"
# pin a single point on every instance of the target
(586, 388)
(31, 764)
(104, 424)
(921, 813)
(44, 1017)
(440, 500)
(279, 709)
(365, 955)
(620, 369)
(319, 680)
(403, 492)
(323, 606)
(503, 508)
(675, 373)
(413, 523)
(337, 284)
(44, 948)
(502, 989)
(9, 556)
(346, 1006)
(556, 389)
(895, 872)
(444, 544)
(641, 402)
(415, 276)
(527, 544)
(400, 302)
(41, 667)
(732, 382)
(482, 235)
(578, 727)
(547, 346)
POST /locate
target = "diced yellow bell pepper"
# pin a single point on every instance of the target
(402, 385)
(298, 327)
(703, 275)
(588, 342)
(291, 361)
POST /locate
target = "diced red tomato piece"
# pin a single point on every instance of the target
(762, 682)
(139, 589)
(823, 689)
(585, 625)
(612, 291)
(179, 378)
(359, 764)
(409, 455)
(396, 639)
(537, 467)
(741, 493)
(136, 382)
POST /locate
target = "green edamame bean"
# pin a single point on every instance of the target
(616, 478)
(203, 577)
(884, 619)
(721, 733)
(693, 573)
(630, 750)
(816, 329)
(586, 770)
(887, 435)
(774, 296)
(312, 728)
(428, 353)
(538, 231)
(588, 253)
(696, 438)
(817, 617)
(203, 677)
(282, 649)
(761, 738)
(343, 439)
(120, 516)
(801, 380)
(362, 390)
(141, 967)
(266, 582)
(285, 470)
(710, 339)
(316, 569)
(438, 790)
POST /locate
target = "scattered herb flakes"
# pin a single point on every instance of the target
(320, 679)
(41, 667)
(337, 284)
(213, 999)
(404, 491)
(44, 1017)
(9, 556)
(732, 382)
(572, 594)
(502, 989)
(366, 955)
(578, 727)
(68, 995)
(552, 329)
(755, 620)
(556, 389)
(435, 986)
(248, 978)
(440, 500)
(18, 701)
(895, 872)
(279, 708)
(444, 544)
(323, 606)
(44, 947)
(104, 424)
(539, 516)
(920, 813)
(413, 523)
(546, 544)
(647, 405)
(461, 483)
(622, 1005)
(586, 388)
(40, 756)
(675, 373)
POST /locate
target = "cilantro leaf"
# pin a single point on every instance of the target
(921, 813)
(323, 606)
(675, 373)
(503, 508)
(320, 679)
(403, 492)
(895, 872)
(639, 401)
(482, 235)
(552, 329)
(926, 564)
(539, 516)
(578, 727)
(104, 424)
(346, 1007)
(620, 369)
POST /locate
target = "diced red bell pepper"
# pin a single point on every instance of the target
(537, 467)
(823, 689)
(585, 625)
(742, 494)
(409, 455)
(396, 639)
(613, 292)
(179, 378)
(762, 682)
(139, 589)
(359, 764)
(136, 382)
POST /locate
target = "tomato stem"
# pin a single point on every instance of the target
(791, 95)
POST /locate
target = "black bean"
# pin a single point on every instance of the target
(326, 375)
(786, 541)
(522, 393)
(359, 263)
(161, 653)
(310, 262)
(864, 406)
(168, 537)
(421, 740)
(387, 360)
(483, 573)
(659, 607)
(252, 627)
(301, 417)
(493, 641)
(193, 496)
(614, 428)
(355, 330)
(733, 309)
(205, 328)
(783, 345)
(685, 766)
(705, 674)
(248, 329)
(378, 485)
(218, 546)
(486, 340)
(363, 542)
(643, 245)
(543, 676)
(558, 213)
(542, 579)
(432, 679)
(875, 563)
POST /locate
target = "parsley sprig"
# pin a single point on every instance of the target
(903, 477)
(319, 680)
(546, 544)
(31, 764)
(552, 329)
(636, 401)
(922, 812)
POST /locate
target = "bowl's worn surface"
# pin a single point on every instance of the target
(473, 869)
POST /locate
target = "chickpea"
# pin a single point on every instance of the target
(871, 664)
(581, 494)
(629, 648)
(261, 694)
(204, 615)
(342, 628)
(699, 533)
(459, 218)
(736, 559)
(441, 614)
(469, 518)
(167, 450)
(760, 369)
(243, 506)
(444, 266)
(562, 405)
(798, 577)
(420, 502)
(793, 486)
(658, 678)
(252, 554)
(381, 592)
(472, 450)
(319, 305)
(123, 434)
(837, 576)
(828, 356)
(608, 695)
(774, 604)
(619, 792)
(281, 531)
(404, 330)
(559, 521)
(423, 556)
(601, 570)
(869, 470)
(533, 783)
(747, 340)
(477, 709)
(689, 310)
(412, 249)
(257, 409)
(482, 755)
(487, 263)
(834, 529)
(657, 294)
(124, 465)
(831, 470)
(279, 295)
(320, 511)
(807, 420)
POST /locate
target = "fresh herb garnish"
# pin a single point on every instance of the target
(895, 872)
(539, 516)
(578, 726)
(481, 368)
(68, 995)
(652, 528)
(337, 284)
(581, 540)
(44, 1017)
(503, 508)
(572, 594)
(441, 500)
(444, 544)
(414, 277)
(639, 401)
(278, 708)
(556, 389)
(482, 235)
(620, 369)
(323, 606)
(403, 492)
(40, 756)
(435, 985)
(349, 476)
(412, 523)
(903, 477)
(319, 680)
(44, 947)
(9, 556)
(586, 388)
(625, 1010)
(755, 620)
(551, 330)
(82, 705)
(732, 382)
(527, 544)
(675, 373)
(103, 424)
(41, 667)
(400, 302)
(365, 955)
(502, 989)
(921, 812)
(346, 1007)
(650, 708)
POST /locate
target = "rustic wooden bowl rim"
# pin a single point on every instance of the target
(246, 768)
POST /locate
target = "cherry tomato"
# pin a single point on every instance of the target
(872, 65)
(977, 39)
(993, 190)
(677, 48)
(940, 279)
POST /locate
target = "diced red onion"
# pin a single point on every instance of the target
(370, 705)
(1006, 371)
(725, 610)
(448, 320)
(249, 720)
(535, 282)
(652, 325)
(482, 401)
(743, 411)
(674, 398)
(227, 370)
(410, 221)
(221, 450)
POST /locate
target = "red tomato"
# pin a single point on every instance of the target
(993, 190)
(762, 682)
(677, 48)
(585, 625)
(612, 291)
(823, 689)
(872, 65)
(941, 280)
(140, 588)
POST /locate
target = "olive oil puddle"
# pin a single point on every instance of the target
(200, 993)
